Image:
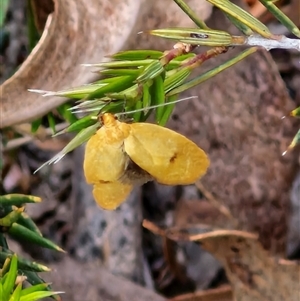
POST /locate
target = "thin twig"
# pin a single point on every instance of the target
(282, 42)
(12, 144)
(216, 203)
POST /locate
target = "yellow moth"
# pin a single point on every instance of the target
(120, 155)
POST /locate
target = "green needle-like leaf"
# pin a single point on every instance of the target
(195, 36)
(34, 280)
(34, 288)
(176, 79)
(168, 110)
(137, 55)
(178, 61)
(80, 138)
(151, 71)
(9, 283)
(80, 124)
(3, 10)
(281, 17)
(124, 64)
(38, 295)
(147, 101)
(32, 31)
(11, 217)
(17, 293)
(1, 289)
(121, 84)
(18, 199)
(241, 26)
(243, 16)
(121, 72)
(95, 106)
(296, 112)
(5, 267)
(157, 93)
(146, 94)
(3, 242)
(74, 93)
(211, 73)
(138, 115)
(296, 140)
(65, 111)
(130, 95)
(20, 232)
(35, 125)
(23, 263)
(25, 220)
(3, 279)
(51, 122)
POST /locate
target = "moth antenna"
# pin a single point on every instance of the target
(156, 106)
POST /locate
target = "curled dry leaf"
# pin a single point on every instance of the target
(253, 274)
(75, 33)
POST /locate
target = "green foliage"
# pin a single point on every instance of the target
(139, 79)
(18, 225)
(281, 17)
(296, 140)
(32, 31)
(3, 9)
(11, 284)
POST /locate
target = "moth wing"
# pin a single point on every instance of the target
(103, 161)
(169, 157)
(110, 195)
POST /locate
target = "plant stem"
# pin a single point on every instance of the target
(281, 42)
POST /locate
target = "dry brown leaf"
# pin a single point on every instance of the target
(253, 274)
(74, 34)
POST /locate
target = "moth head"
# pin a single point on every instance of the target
(108, 119)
